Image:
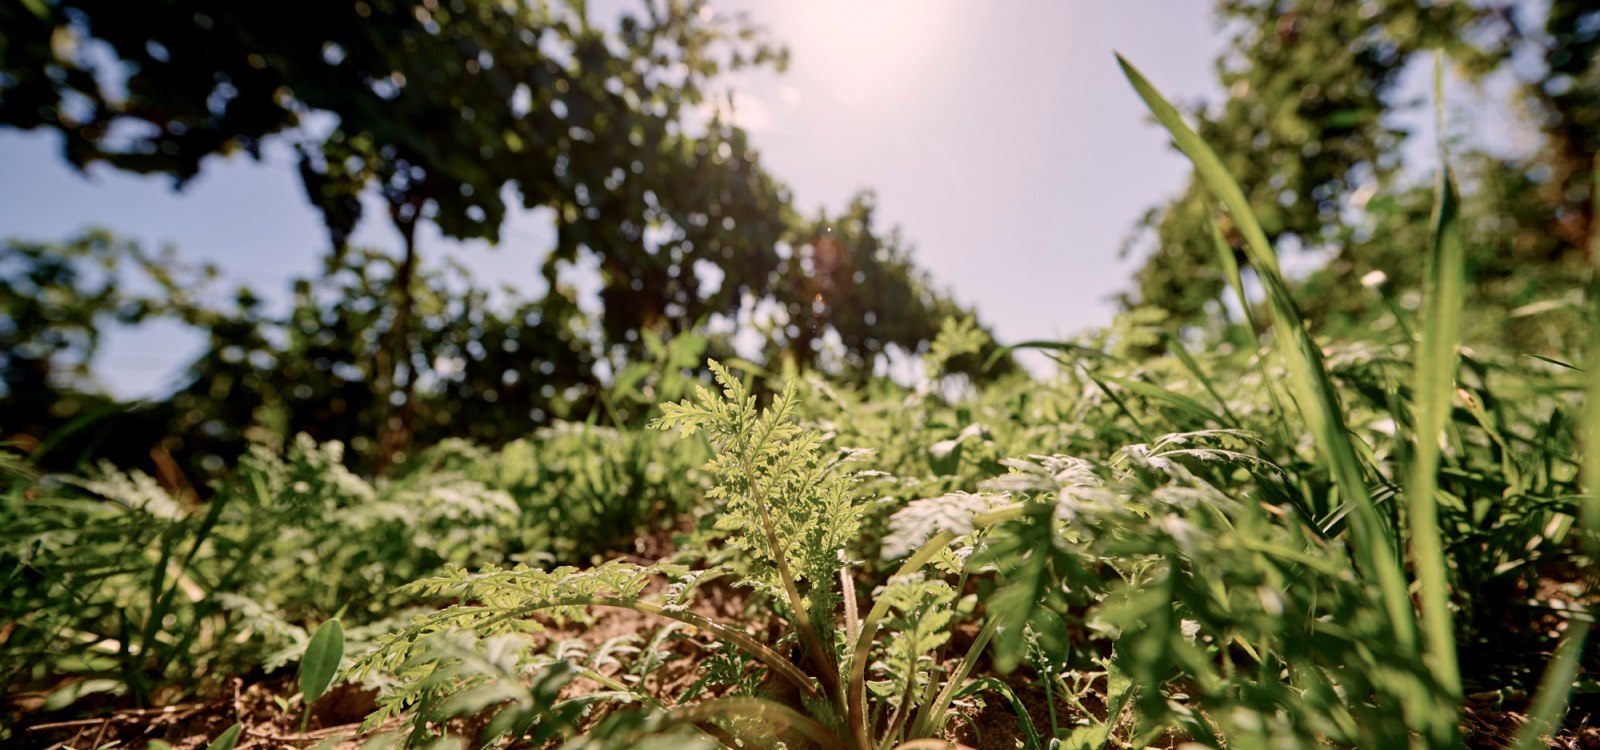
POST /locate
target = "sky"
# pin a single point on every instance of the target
(999, 136)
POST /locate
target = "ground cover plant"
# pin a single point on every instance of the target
(1296, 542)
(128, 588)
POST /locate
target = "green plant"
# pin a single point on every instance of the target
(319, 665)
(1333, 653)
(227, 739)
(789, 512)
(116, 583)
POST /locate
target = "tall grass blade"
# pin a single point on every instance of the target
(1374, 546)
(1312, 387)
(1551, 700)
(1554, 689)
(1230, 269)
(1436, 358)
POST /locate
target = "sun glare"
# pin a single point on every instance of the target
(866, 51)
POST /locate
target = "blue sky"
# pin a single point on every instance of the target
(999, 136)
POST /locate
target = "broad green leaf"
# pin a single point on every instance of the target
(321, 661)
(227, 739)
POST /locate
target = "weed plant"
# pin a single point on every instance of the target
(114, 583)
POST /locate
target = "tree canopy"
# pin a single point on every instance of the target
(1308, 128)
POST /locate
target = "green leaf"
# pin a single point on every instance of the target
(1554, 687)
(71, 693)
(227, 739)
(1030, 735)
(321, 662)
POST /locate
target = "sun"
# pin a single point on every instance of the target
(863, 52)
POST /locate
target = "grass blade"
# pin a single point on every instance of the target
(1589, 515)
(1551, 699)
(1313, 388)
(1176, 400)
(1556, 685)
(1444, 294)
(1556, 362)
(1230, 269)
(1175, 345)
(1030, 736)
(1319, 405)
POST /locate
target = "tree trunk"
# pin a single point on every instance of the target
(396, 352)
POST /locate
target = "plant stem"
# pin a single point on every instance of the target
(826, 664)
(774, 660)
(929, 713)
(763, 710)
(856, 682)
(856, 700)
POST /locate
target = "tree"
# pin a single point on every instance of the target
(443, 107)
(844, 280)
(57, 300)
(1310, 84)
(492, 362)
(487, 365)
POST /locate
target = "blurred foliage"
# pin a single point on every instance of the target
(490, 367)
(843, 287)
(1307, 128)
(442, 110)
(491, 364)
(1525, 283)
(57, 301)
(128, 587)
(440, 105)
